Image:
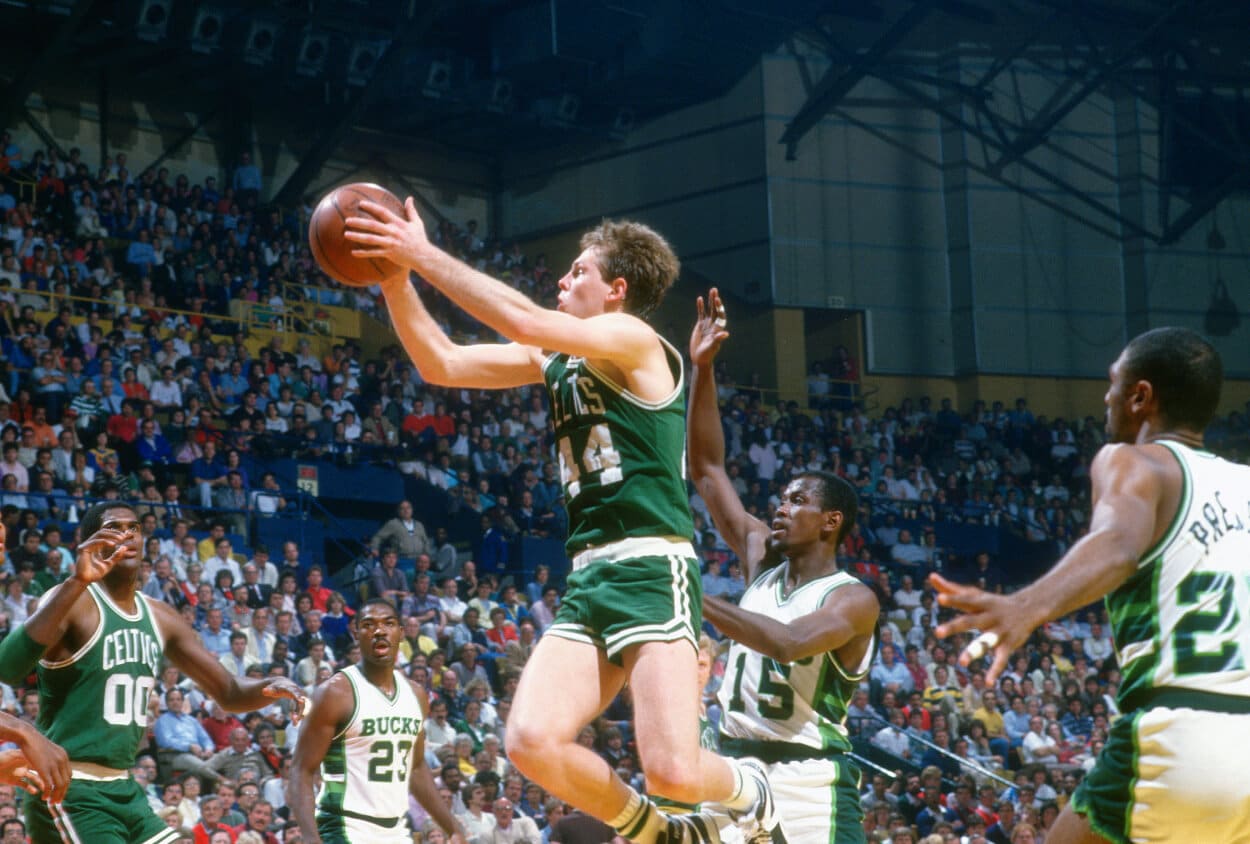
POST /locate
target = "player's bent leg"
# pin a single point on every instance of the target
(565, 685)
(663, 678)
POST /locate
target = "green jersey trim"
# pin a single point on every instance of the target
(674, 358)
(89, 644)
(1182, 509)
(351, 719)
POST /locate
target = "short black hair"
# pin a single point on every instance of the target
(1184, 370)
(93, 519)
(381, 602)
(837, 495)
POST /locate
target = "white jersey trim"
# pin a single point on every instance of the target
(89, 644)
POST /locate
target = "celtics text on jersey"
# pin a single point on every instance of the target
(94, 703)
(622, 459)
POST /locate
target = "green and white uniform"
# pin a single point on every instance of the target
(1173, 768)
(364, 793)
(95, 705)
(792, 717)
(622, 465)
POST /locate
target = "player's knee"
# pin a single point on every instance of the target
(527, 744)
(675, 780)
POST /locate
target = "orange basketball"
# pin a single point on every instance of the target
(332, 251)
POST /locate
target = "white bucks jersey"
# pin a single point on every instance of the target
(365, 771)
(1182, 621)
(800, 703)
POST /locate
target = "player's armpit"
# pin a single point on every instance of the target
(622, 338)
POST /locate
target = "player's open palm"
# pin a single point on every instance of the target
(709, 329)
(998, 620)
(99, 552)
(381, 233)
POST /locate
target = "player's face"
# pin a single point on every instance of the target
(1120, 426)
(583, 289)
(124, 519)
(799, 519)
(379, 632)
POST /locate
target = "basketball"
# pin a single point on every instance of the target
(332, 251)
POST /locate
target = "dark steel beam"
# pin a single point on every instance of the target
(323, 145)
(1036, 130)
(836, 84)
(14, 97)
(44, 135)
(180, 141)
(1238, 179)
(1040, 172)
(1040, 198)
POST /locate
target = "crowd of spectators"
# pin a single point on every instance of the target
(170, 409)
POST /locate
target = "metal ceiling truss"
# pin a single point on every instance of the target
(1145, 64)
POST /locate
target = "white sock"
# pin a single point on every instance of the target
(639, 820)
(746, 793)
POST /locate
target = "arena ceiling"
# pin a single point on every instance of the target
(489, 77)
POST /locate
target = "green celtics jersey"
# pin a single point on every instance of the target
(365, 771)
(801, 703)
(622, 459)
(1182, 621)
(95, 703)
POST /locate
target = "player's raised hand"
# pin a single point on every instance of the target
(100, 552)
(709, 329)
(281, 687)
(381, 233)
(1001, 626)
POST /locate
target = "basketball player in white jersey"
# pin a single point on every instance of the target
(366, 734)
(804, 632)
(1169, 548)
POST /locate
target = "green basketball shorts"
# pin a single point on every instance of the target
(99, 812)
(630, 592)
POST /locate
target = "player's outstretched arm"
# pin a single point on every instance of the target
(1128, 494)
(620, 337)
(705, 441)
(184, 649)
(22, 648)
(440, 361)
(847, 613)
(332, 707)
(421, 781)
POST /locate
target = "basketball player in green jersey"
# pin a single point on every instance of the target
(365, 732)
(99, 644)
(804, 633)
(632, 609)
(1169, 548)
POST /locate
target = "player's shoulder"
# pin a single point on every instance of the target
(1135, 459)
(846, 590)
